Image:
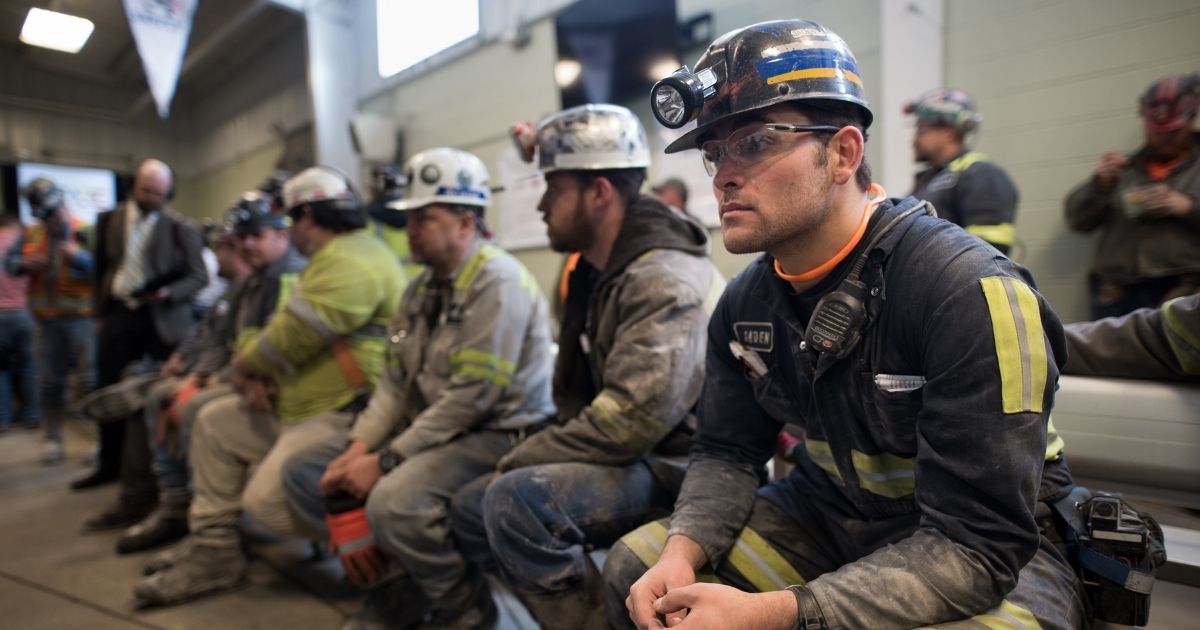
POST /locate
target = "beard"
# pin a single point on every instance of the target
(802, 207)
(574, 234)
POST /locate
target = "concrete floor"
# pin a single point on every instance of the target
(52, 577)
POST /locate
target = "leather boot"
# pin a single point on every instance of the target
(212, 562)
(156, 530)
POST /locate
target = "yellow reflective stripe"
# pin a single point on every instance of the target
(816, 73)
(822, 456)
(999, 234)
(760, 564)
(629, 424)
(885, 474)
(1008, 616)
(482, 373)
(646, 542)
(1184, 345)
(471, 355)
(1020, 343)
(1054, 441)
(485, 253)
(529, 283)
(964, 161)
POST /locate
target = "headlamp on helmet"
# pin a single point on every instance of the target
(676, 99)
(757, 67)
(252, 213)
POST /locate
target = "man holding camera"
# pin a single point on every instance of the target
(60, 296)
(148, 266)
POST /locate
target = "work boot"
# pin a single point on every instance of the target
(168, 558)
(468, 606)
(118, 516)
(212, 562)
(579, 608)
(98, 477)
(156, 530)
(394, 605)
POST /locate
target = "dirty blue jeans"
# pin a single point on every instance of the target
(65, 343)
(536, 525)
(18, 367)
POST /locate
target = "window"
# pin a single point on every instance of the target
(410, 31)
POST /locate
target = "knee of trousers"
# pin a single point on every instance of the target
(264, 500)
(404, 513)
(513, 501)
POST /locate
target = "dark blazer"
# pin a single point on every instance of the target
(172, 255)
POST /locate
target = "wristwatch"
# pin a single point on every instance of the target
(389, 459)
(810, 616)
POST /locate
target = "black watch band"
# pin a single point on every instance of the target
(808, 615)
(388, 459)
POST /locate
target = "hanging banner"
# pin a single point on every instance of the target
(160, 30)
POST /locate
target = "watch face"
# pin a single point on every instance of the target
(388, 460)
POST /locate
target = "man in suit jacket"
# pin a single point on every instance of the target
(148, 269)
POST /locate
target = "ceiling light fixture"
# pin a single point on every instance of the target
(57, 31)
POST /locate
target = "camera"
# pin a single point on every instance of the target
(1122, 549)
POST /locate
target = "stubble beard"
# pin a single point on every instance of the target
(792, 225)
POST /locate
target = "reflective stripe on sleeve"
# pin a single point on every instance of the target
(1020, 343)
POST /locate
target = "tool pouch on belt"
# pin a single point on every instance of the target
(1116, 550)
(350, 538)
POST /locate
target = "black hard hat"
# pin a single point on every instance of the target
(252, 213)
(44, 197)
(756, 67)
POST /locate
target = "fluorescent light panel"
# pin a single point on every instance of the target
(57, 31)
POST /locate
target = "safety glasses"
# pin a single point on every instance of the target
(751, 145)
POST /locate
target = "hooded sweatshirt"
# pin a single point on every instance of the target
(631, 348)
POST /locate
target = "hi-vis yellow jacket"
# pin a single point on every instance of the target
(343, 300)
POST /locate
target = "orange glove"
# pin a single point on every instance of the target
(350, 538)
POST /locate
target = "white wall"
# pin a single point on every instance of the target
(1057, 82)
(470, 102)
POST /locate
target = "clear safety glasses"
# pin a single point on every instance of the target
(751, 145)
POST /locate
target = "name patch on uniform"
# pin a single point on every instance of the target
(756, 335)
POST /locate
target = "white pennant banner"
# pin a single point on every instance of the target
(160, 30)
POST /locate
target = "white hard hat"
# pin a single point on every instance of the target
(320, 184)
(447, 176)
(592, 138)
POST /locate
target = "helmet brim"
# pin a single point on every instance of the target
(690, 139)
